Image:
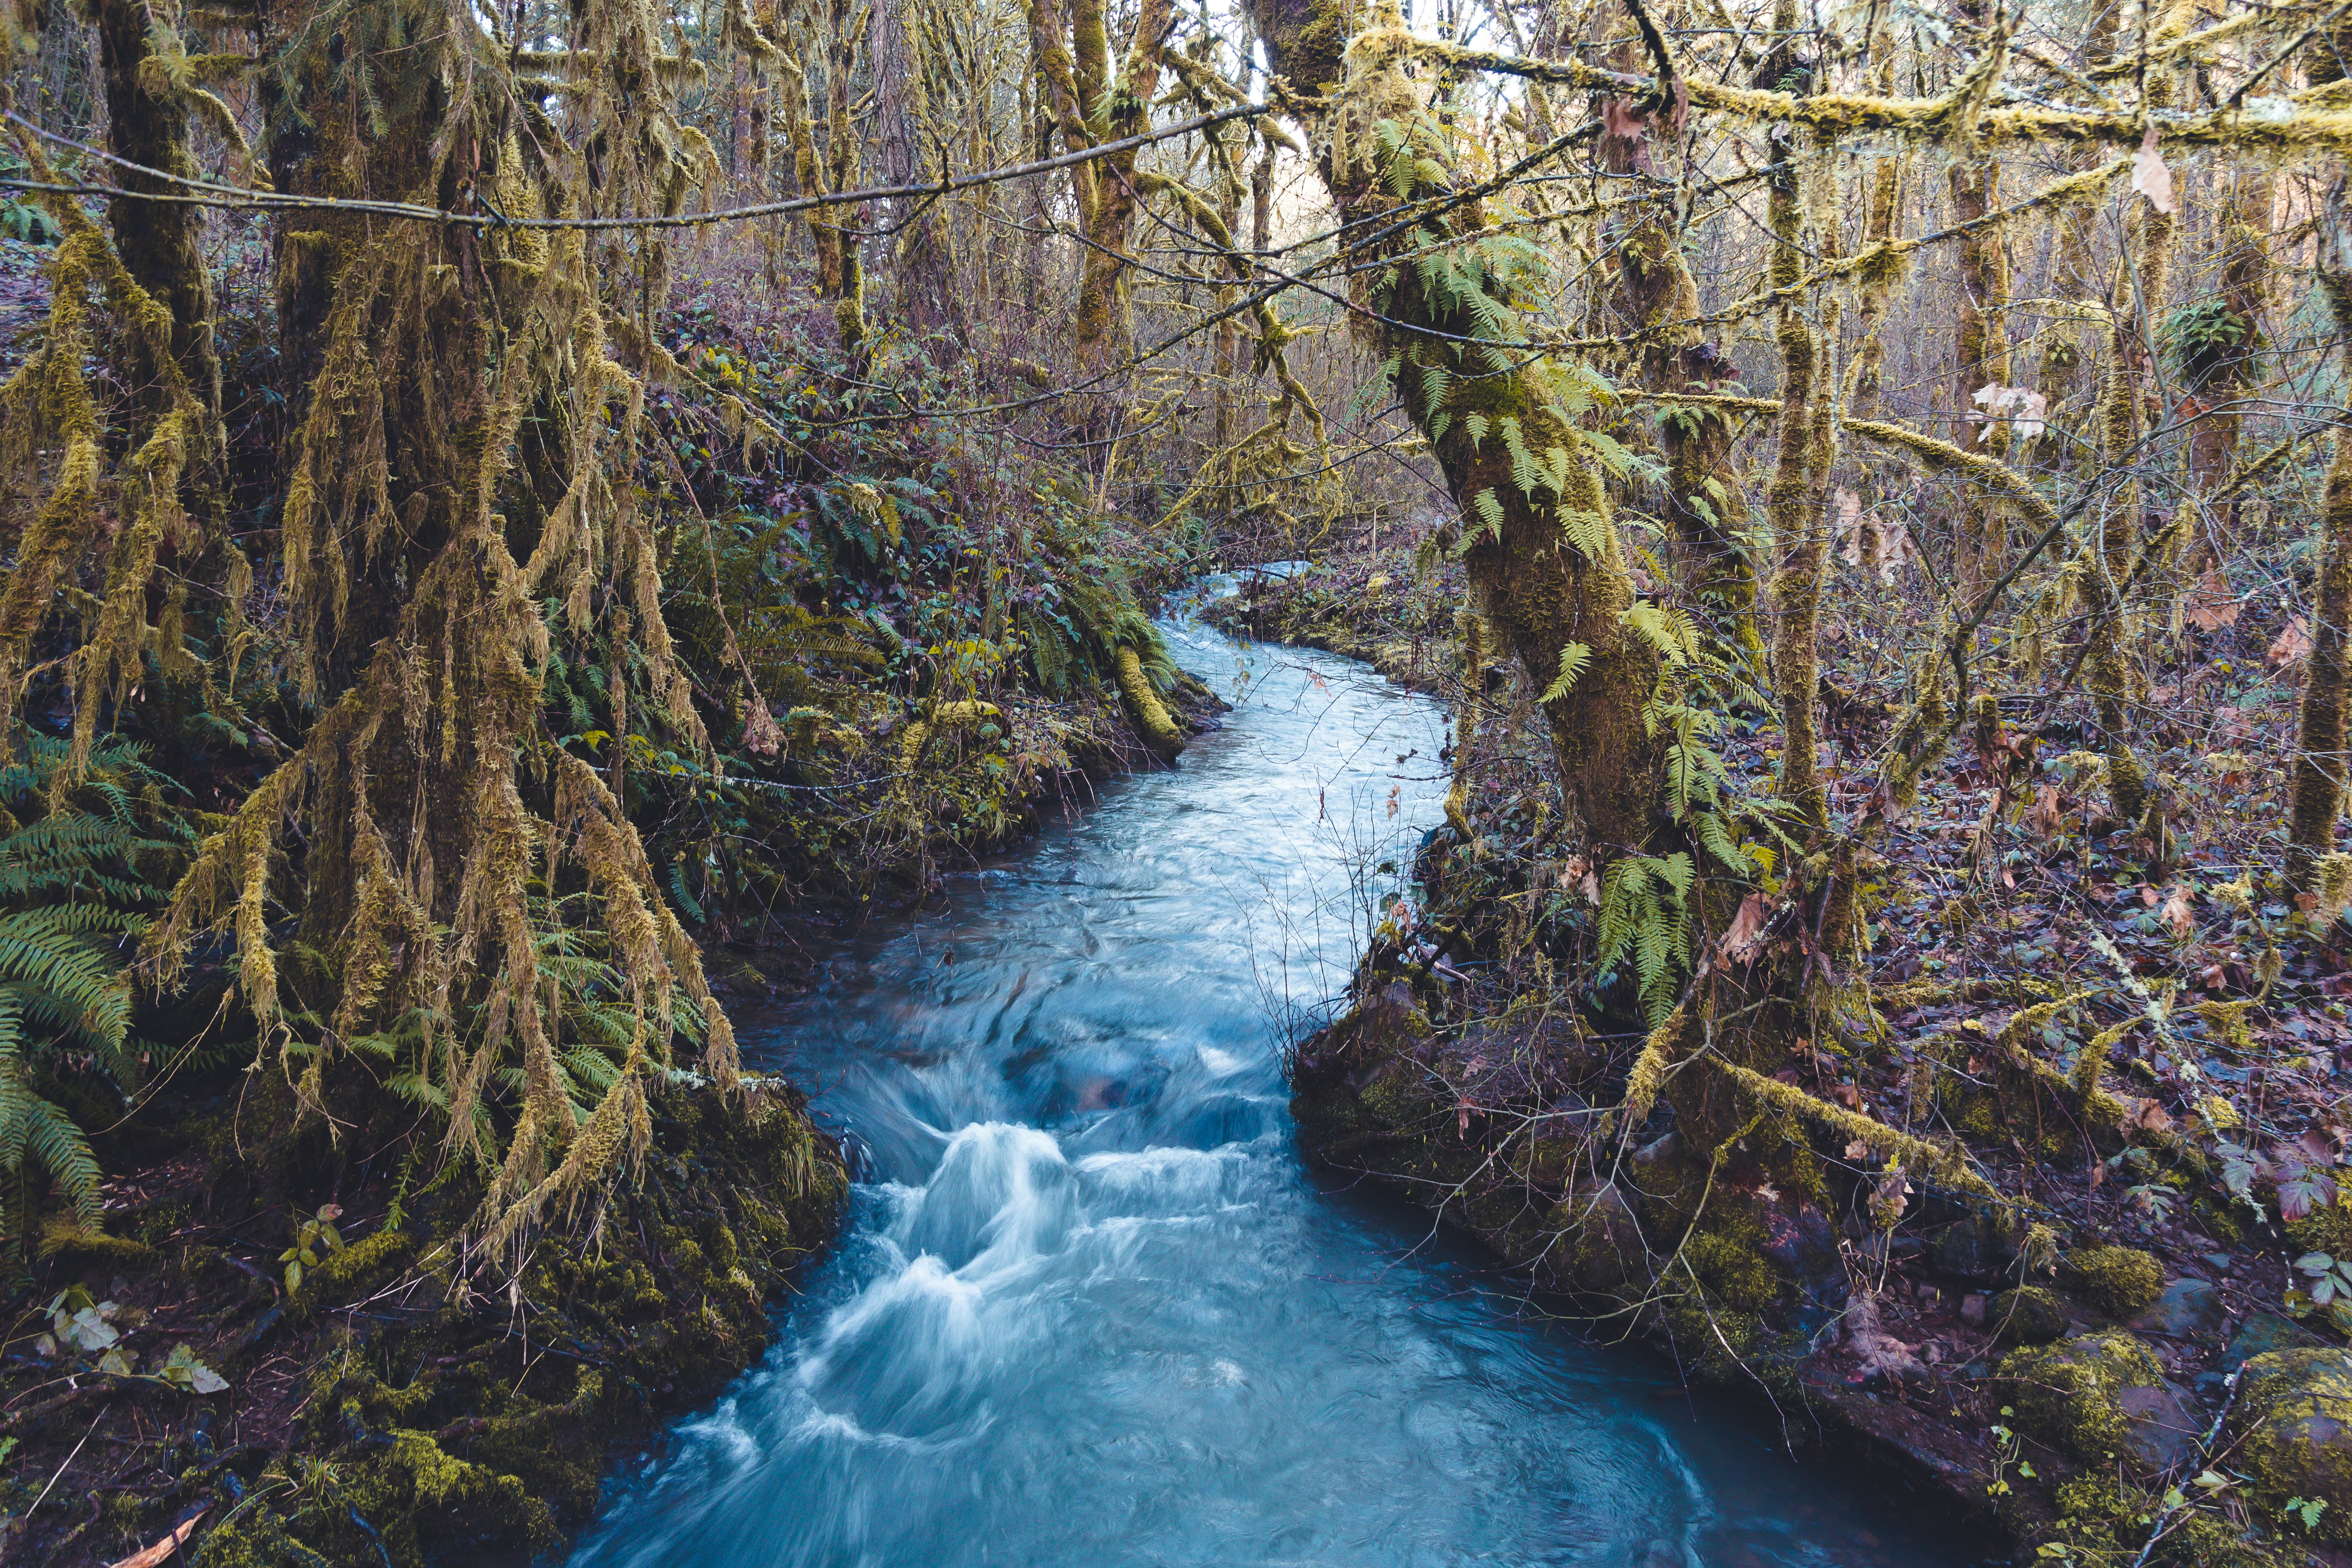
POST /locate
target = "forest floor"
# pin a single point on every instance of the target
(2069, 1367)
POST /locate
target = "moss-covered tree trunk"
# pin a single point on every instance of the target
(1794, 507)
(1656, 305)
(834, 166)
(1981, 340)
(161, 245)
(2315, 796)
(1511, 457)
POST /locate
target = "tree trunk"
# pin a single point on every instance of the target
(2315, 794)
(1492, 425)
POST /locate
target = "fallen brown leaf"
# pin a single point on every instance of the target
(1746, 938)
(2212, 604)
(2175, 913)
(2293, 645)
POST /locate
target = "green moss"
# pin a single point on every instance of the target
(2103, 1525)
(2069, 1394)
(2028, 1316)
(357, 1268)
(2291, 1432)
(2326, 1228)
(2118, 1281)
(2222, 1218)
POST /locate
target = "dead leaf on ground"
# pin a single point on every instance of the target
(1746, 938)
(2233, 723)
(2175, 913)
(163, 1549)
(2212, 604)
(2150, 178)
(2044, 814)
(2293, 645)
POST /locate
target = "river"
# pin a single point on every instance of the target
(1091, 1309)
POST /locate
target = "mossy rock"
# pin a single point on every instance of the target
(2291, 1432)
(1606, 1256)
(2326, 1228)
(2118, 1281)
(2027, 1316)
(2098, 1397)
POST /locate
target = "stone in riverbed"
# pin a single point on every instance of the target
(2188, 1310)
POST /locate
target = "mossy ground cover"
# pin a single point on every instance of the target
(409, 1398)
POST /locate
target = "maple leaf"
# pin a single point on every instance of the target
(2175, 913)
(2211, 603)
(2150, 178)
(2292, 646)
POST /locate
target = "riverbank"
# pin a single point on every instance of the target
(2119, 1344)
(293, 1345)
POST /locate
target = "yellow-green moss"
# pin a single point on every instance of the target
(2291, 1431)
(2027, 1316)
(357, 1268)
(2069, 1394)
(2118, 1281)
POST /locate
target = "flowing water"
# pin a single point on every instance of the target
(1092, 1311)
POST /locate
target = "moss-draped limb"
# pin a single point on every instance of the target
(457, 498)
(48, 407)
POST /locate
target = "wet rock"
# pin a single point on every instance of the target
(1802, 1245)
(1880, 1360)
(2027, 1316)
(1972, 1309)
(2099, 1397)
(2264, 1332)
(1605, 1250)
(2188, 1309)
(1976, 1251)
(2291, 1432)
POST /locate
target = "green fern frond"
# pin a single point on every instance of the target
(1572, 661)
